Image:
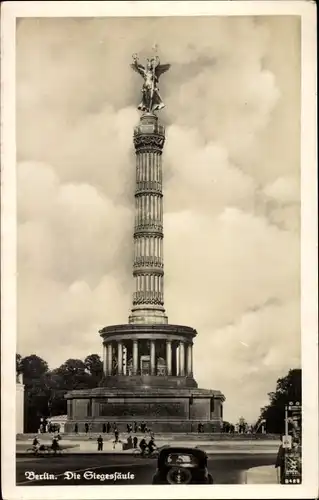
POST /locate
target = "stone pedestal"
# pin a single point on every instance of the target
(164, 409)
(162, 391)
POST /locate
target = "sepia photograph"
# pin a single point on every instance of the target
(158, 314)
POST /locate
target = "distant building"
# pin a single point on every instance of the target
(19, 404)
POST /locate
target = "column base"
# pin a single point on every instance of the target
(143, 316)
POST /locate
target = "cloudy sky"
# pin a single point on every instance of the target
(231, 190)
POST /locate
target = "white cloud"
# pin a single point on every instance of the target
(284, 190)
(231, 185)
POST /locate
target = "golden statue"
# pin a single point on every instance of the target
(151, 100)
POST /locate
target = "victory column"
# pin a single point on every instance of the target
(148, 363)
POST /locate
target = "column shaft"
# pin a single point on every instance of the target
(109, 358)
(189, 360)
(105, 359)
(148, 303)
(119, 358)
(135, 357)
(152, 355)
(181, 359)
(169, 357)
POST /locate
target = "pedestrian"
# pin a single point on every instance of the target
(86, 428)
(280, 462)
(128, 427)
(116, 438)
(135, 427)
(108, 427)
(135, 440)
(36, 444)
(55, 444)
(104, 429)
(76, 428)
(100, 443)
(143, 446)
(129, 442)
(151, 445)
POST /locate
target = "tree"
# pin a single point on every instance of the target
(57, 404)
(288, 389)
(45, 389)
(73, 375)
(94, 366)
(33, 367)
(36, 394)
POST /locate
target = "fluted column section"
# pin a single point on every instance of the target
(148, 267)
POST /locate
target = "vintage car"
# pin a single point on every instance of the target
(181, 465)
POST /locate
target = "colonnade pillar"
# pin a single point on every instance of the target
(152, 356)
(189, 359)
(120, 358)
(105, 370)
(135, 357)
(184, 364)
(169, 357)
(181, 359)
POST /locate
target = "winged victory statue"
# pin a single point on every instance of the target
(151, 72)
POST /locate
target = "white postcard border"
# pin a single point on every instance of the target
(309, 267)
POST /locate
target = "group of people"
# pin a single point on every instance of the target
(108, 427)
(132, 441)
(147, 448)
(48, 427)
(55, 446)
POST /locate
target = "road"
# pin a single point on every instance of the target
(225, 469)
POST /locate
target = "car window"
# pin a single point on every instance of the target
(174, 459)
